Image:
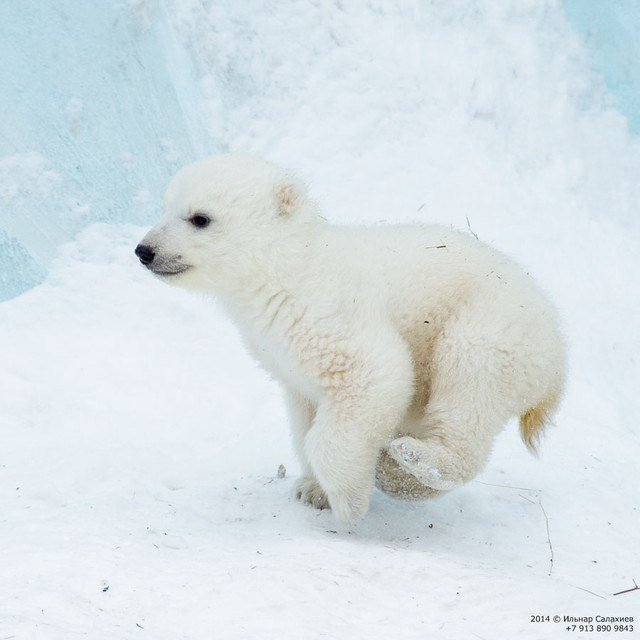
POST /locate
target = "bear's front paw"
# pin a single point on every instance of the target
(349, 507)
(308, 491)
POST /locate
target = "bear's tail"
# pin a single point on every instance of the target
(534, 421)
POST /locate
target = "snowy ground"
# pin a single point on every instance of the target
(140, 443)
(140, 449)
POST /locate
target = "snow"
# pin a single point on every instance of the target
(141, 445)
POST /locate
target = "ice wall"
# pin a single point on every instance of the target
(98, 108)
(610, 31)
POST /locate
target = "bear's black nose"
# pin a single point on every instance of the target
(145, 253)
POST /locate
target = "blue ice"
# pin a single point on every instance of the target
(98, 108)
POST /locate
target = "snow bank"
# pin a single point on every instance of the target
(139, 484)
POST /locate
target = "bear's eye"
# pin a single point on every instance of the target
(199, 220)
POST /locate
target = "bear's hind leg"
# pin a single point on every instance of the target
(471, 398)
(454, 450)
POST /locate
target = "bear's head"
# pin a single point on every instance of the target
(226, 219)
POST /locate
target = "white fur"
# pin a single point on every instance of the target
(401, 347)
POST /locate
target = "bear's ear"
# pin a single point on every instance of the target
(290, 196)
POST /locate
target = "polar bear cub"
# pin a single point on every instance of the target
(403, 350)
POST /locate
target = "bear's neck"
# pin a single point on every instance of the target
(265, 296)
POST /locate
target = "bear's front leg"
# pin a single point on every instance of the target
(301, 414)
(352, 424)
(343, 459)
